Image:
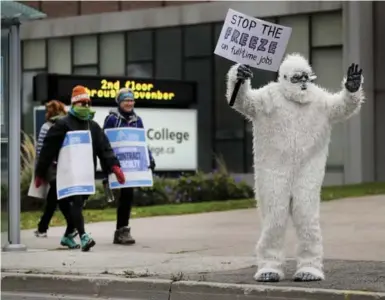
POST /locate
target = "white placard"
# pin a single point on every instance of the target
(253, 42)
(75, 167)
(130, 147)
(41, 192)
(171, 135)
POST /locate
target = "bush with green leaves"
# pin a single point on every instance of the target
(215, 186)
(218, 185)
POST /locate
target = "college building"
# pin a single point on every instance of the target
(175, 41)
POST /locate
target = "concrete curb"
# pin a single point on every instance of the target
(145, 288)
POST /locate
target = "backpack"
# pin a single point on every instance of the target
(118, 119)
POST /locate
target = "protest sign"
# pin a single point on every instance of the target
(41, 192)
(253, 42)
(75, 167)
(130, 147)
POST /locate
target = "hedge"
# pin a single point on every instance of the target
(215, 186)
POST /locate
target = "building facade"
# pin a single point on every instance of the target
(176, 40)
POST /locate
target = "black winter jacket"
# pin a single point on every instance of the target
(55, 137)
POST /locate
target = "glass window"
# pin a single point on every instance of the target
(34, 55)
(86, 70)
(217, 31)
(199, 70)
(85, 50)
(327, 29)
(334, 178)
(139, 45)
(197, 40)
(28, 102)
(226, 117)
(223, 113)
(328, 66)
(299, 39)
(59, 55)
(337, 145)
(4, 82)
(232, 154)
(139, 70)
(112, 60)
(168, 53)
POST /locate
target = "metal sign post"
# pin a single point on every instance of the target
(14, 140)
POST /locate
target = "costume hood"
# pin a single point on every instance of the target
(294, 64)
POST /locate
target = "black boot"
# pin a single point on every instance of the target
(123, 236)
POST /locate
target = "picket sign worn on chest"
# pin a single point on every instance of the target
(130, 147)
(75, 169)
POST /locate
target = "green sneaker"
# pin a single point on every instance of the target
(69, 242)
(73, 234)
(87, 242)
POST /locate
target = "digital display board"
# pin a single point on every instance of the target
(103, 90)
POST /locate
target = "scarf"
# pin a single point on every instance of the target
(82, 112)
(127, 115)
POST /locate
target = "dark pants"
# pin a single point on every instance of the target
(124, 207)
(72, 209)
(49, 210)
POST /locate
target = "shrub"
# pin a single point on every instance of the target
(28, 156)
(218, 185)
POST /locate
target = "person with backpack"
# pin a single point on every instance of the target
(79, 118)
(125, 116)
(54, 111)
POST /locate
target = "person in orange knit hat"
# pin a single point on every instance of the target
(80, 117)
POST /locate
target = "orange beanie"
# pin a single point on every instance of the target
(79, 94)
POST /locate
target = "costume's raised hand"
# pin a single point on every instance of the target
(354, 79)
(244, 72)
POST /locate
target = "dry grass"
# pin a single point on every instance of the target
(27, 162)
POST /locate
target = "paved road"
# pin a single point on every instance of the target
(352, 229)
(33, 296)
(341, 275)
(215, 243)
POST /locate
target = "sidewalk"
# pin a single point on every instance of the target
(218, 247)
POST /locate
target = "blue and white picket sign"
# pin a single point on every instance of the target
(130, 147)
(75, 167)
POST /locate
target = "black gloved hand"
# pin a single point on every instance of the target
(244, 73)
(152, 165)
(353, 81)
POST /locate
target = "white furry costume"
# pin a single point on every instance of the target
(291, 135)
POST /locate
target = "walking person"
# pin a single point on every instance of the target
(54, 110)
(125, 116)
(80, 117)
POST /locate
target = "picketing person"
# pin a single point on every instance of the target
(80, 117)
(125, 116)
(54, 111)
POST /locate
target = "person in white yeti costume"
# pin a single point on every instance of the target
(292, 120)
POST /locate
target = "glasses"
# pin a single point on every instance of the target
(84, 104)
